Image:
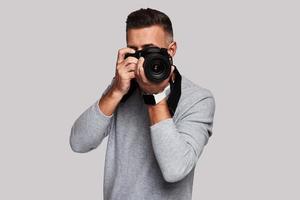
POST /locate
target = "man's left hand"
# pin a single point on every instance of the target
(145, 84)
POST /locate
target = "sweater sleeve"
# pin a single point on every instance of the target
(177, 147)
(90, 128)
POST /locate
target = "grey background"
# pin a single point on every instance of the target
(57, 57)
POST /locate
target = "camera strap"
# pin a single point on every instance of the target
(174, 95)
(133, 86)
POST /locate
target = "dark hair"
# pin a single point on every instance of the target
(147, 17)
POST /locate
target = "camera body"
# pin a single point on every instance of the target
(157, 63)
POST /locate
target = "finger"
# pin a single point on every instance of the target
(139, 64)
(131, 60)
(128, 75)
(141, 71)
(131, 75)
(131, 67)
(122, 52)
(136, 71)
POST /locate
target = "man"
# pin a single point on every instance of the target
(152, 150)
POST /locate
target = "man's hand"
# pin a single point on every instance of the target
(125, 71)
(145, 84)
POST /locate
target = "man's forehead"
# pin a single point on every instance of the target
(148, 36)
(147, 29)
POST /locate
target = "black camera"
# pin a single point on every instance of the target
(157, 63)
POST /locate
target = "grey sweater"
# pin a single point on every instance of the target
(145, 162)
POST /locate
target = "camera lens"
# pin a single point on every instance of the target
(157, 67)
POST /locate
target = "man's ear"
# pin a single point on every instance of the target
(172, 48)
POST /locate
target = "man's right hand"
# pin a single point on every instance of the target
(125, 71)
